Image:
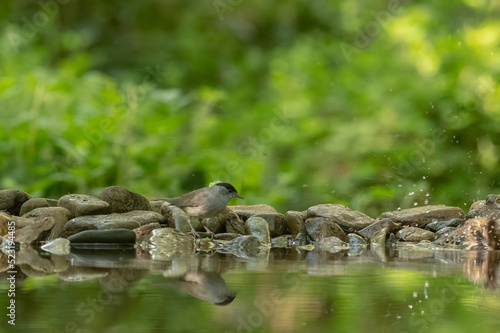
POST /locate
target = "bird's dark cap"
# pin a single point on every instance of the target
(230, 188)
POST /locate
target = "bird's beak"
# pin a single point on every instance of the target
(239, 196)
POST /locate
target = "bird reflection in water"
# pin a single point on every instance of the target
(207, 286)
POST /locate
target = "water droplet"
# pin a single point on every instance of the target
(423, 177)
(415, 203)
(411, 193)
(415, 294)
(410, 306)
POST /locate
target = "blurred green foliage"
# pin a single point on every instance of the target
(371, 104)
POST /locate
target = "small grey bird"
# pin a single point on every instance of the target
(205, 202)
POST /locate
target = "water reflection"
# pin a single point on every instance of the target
(402, 289)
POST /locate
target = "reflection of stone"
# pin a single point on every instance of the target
(483, 267)
(166, 243)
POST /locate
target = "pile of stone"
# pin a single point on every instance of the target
(119, 216)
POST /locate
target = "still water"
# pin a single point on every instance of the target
(285, 290)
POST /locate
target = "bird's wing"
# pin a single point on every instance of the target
(191, 199)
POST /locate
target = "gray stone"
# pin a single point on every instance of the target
(322, 227)
(22, 222)
(281, 242)
(83, 204)
(420, 216)
(295, 222)
(276, 222)
(481, 233)
(383, 224)
(350, 220)
(486, 208)
(32, 232)
(356, 240)
(332, 244)
(414, 234)
(146, 217)
(178, 219)
(60, 214)
(144, 232)
(59, 246)
(245, 211)
(11, 201)
(301, 239)
(98, 222)
(33, 203)
(215, 224)
(122, 200)
(5, 221)
(156, 205)
(234, 224)
(436, 226)
(259, 228)
(115, 236)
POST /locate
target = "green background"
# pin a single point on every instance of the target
(376, 105)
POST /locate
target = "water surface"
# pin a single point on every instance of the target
(286, 290)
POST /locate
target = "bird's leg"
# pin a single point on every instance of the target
(209, 232)
(195, 234)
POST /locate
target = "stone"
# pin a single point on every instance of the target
(356, 240)
(33, 203)
(373, 229)
(295, 222)
(414, 234)
(122, 200)
(234, 224)
(357, 244)
(156, 205)
(146, 217)
(245, 211)
(281, 242)
(486, 208)
(480, 233)
(22, 222)
(59, 246)
(350, 220)
(259, 228)
(5, 221)
(60, 214)
(83, 204)
(11, 201)
(332, 244)
(215, 224)
(144, 232)
(421, 216)
(438, 225)
(322, 227)
(301, 239)
(99, 222)
(32, 232)
(169, 241)
(178, 219)
(276, 222)
(114, 236)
